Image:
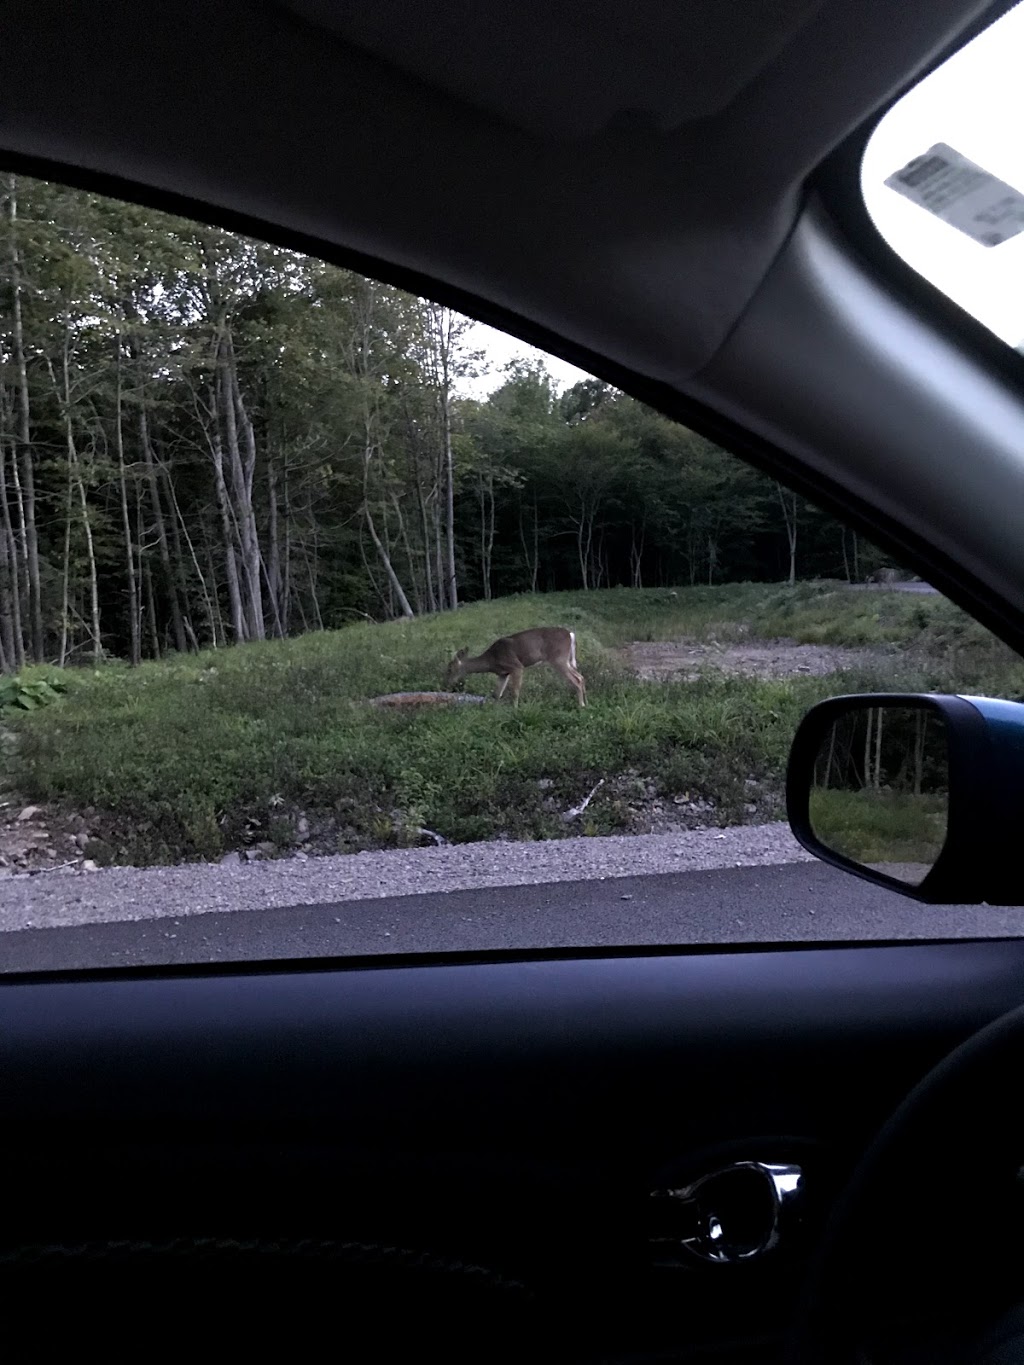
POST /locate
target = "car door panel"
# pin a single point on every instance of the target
(514, 1112)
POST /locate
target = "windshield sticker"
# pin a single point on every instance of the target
(962, 194)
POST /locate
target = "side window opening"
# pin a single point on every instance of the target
(264, 526)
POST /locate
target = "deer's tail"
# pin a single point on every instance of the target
(572, 649)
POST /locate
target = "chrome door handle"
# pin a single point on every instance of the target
(733, 1214)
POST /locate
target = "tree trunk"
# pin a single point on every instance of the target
(442, 588)
(220, 636)
(83, 502)
(789, 517)
(878, 747)
(274, 609)
(8, 591)
(584, 541)
(636, 554)
(485, 568)
(421, 504)
(135, 643)
(312, 570)
(90, 551)
(65, 575)
(242, 469)
(139, 555)
(179, 521)
(535, 571)
(227, 534)
(490, 530)
(371, 577)
(154, 632)
(8, 657)
(274, 547)
(831, 757)
(444, 341)
(179, 572)
(449, 508)
(27, 492)
(382, 551)
(10, 573)
(250, 537)
(532, 557)
(156, 502)
(410, 561)
(286, 587)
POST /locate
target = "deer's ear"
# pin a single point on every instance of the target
(461, 653)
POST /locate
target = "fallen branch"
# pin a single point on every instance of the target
(577, 811)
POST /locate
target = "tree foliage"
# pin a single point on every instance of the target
(207, 440)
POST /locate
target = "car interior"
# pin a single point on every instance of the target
(755, 1152)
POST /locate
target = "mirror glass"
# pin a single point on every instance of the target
(880, 789)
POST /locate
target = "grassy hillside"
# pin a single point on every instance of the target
(273, 744)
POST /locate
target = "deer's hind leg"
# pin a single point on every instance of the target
(581, 687)
(575, 680)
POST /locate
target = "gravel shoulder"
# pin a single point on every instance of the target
(74, 897)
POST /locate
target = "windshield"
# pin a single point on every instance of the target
(943, 178)
(334, 623)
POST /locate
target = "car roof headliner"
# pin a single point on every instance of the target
(620, 176)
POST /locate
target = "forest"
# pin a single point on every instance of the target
(207, 440)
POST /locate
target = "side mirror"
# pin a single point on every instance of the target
(920, 793)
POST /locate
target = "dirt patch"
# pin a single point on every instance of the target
(36, 839)
(687, 660)
(643, 808)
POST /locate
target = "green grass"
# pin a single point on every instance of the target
(880, 827)
(200, 754)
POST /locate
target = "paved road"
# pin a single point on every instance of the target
(793, 902)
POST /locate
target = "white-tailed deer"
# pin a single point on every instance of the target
(509, 657)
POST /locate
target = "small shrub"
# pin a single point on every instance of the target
(21, 693)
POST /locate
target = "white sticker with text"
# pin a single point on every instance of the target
(962, 194)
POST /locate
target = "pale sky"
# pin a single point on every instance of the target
(499, 350)
(974, 104)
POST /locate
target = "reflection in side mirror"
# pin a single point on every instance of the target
(880, 789)
(918, 792)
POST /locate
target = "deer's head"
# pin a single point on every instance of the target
(456, 670)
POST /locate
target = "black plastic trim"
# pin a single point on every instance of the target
(498, 957)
